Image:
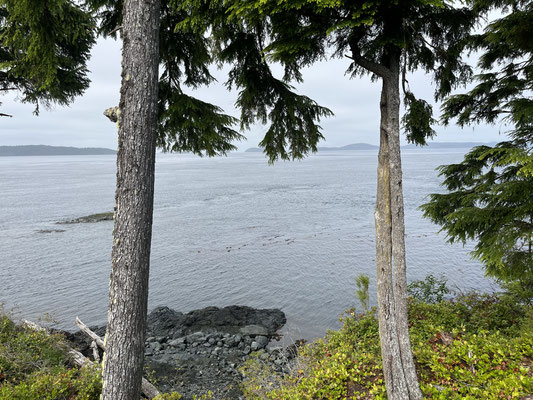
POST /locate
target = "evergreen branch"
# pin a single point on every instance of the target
(369, 65)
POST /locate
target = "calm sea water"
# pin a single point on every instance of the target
(226, 231)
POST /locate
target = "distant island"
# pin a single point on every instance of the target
(355, 146)
(42, 150)
(366, 146)
(449, 145)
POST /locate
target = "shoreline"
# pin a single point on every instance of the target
(202, 350)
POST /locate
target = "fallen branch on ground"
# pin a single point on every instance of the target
(148, 389)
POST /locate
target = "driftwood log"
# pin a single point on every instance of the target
(148, 390)
(96, 353)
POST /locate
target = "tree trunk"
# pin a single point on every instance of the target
(395, 380)
(128, 289)
(398, 365)
(398, 233)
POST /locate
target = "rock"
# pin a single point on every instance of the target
(107, 216)
(254, 330)
(163, 321)
(262, 341)
(230, 319)
(176, 342)
(194, 338)
(274, 349)
(202, 350)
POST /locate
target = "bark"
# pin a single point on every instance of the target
(398, 233)
(128, 291)
(395, 380)
(398, 364)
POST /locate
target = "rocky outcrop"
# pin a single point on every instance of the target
(107, 216)
(202, 350)
(163, 321)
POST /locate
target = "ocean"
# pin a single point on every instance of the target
(228, 230)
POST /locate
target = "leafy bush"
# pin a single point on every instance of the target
(430, 290)
(23, 352)
(58, 383)
(33, 367)
(474, 347)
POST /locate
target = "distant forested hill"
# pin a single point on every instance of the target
(42, 150)
(366, 146)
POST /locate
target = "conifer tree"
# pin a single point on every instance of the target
(489, 195)
(44, 48)
(183, 124)
(386, 39)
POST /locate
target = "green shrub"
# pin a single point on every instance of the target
(473, 347)
(168, 396)
(33, 366)
(58, 383)
(24, 351)
(430, 290)
(362, 281)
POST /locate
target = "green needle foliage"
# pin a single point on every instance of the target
(488, 201)
(362, 281)
(428, 35)
(185, 122)
(293, 118)
(489, 195)
(44, 48)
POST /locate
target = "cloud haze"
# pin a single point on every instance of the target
(355, 103)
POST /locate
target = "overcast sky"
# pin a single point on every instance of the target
(355, 103)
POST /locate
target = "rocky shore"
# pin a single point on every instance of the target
(202, 350)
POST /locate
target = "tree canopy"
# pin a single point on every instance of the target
(387, 39)
(489, 195)
(185, 122)
(428, 34)
(44, 49)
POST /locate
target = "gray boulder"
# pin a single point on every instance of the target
(254, 330)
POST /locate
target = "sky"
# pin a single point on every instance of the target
(355, 103)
